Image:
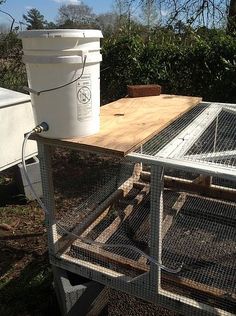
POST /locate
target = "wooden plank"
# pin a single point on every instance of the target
(99, 303)
(144, 227)
(213, 191)
(198, 289)
(167, 278)
(169, 219)
(179, 202)
(65, 241)
(203, 180)
(94, 267)
(105, 255)
(110, 230)
(128, 123)
(96, 222)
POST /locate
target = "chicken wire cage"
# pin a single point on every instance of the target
(158, 224)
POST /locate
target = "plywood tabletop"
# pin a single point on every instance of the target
(130, 122)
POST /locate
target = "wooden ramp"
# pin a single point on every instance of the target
(128, 123)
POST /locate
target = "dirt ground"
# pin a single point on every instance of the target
(25, 273)
(123, 304)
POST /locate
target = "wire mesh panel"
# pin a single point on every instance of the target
(106, 209)
(164, 234)
(198, 230)
(200, 233)
(203, 136)
(103, 221)
(217, 144)
(205, 243)
(110, 231)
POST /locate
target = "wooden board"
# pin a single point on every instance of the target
(128, 123)
(65, 241)
(180, 184)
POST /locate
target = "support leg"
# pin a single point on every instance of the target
(48, 194)
(156, 215)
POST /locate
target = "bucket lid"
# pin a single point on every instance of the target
(80, 33)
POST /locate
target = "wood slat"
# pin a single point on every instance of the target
(199, 289)
(218, 296)
(187, 284)
(213, 191)
(128, 123)
(111, 229)
(65, 241)
(100, 253)
(169, 219)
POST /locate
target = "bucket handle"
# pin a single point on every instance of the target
(84, 57)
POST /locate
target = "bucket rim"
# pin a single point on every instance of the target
(67, 33)
(73, 59)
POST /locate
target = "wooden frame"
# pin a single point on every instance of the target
(201, 185)
(140, 266)
(160, 292)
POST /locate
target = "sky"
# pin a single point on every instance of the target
(48, 8)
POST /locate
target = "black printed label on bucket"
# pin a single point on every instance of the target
(84, 101)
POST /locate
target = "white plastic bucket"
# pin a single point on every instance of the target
(54, 58)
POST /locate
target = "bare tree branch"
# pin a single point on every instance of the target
(12, 18)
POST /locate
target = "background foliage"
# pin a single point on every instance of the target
(184, 59)
(201, 63)
(12, 69)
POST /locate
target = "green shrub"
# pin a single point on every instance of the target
(121, 64)
(190, 64)
(201, 63)
(12, 70)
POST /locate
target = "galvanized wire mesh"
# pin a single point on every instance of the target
(132, 227)
(156, 143)
(202, 229)
(217, 144)
(108, 212)
(203, 237)
(206, 134)
(197, 230)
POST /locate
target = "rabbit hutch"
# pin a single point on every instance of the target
(154, 214)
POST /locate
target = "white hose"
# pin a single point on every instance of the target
(87, 240)
(26, 174)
